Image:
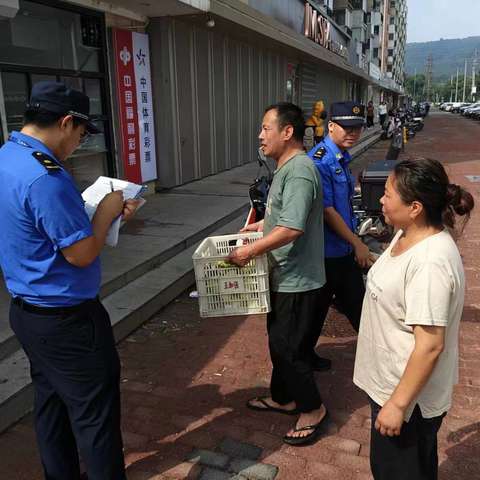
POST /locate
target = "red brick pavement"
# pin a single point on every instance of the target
(185, 380)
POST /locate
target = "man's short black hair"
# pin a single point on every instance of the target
(290, 114)
(45, 119)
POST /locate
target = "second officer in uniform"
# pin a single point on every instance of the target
(345, 253)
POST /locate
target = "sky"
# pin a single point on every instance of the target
(435, 19)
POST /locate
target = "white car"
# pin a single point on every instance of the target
(444, 105)
(453, 105)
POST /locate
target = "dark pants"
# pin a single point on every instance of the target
(345, 283)
(382, 119)
(75, 372)
(369, 121)
(289, 326)
(410, 456)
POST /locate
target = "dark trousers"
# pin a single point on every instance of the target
(75, 372)
(369, 121)
(289, 326)
(410, 456)
(382, 119)
(345, 283)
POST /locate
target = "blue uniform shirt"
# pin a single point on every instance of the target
(338, 188)
(42, 213)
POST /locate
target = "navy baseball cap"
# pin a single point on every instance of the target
(347, 114)
(56, 97)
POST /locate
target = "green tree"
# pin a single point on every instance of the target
(415, 86)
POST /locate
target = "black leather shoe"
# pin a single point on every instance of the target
(320, 364)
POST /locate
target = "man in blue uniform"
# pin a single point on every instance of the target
(345, 253)
(50, 263)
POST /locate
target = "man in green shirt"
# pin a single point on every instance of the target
(293, 238)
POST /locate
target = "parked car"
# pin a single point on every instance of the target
(456, 107)
(451, 106)
(475, 113)
(465, 108)
(444, 105)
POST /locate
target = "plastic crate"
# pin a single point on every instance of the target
(224, 291)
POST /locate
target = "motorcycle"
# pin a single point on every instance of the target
(258, 191)
(372, 228)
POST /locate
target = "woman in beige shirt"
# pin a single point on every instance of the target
(407, 353)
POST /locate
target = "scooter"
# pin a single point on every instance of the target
(372, 228)
(258, 191)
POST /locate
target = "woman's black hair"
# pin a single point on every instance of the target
(424, 180)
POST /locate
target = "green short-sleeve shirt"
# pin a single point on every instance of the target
(295, 201)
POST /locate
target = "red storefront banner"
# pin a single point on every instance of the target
(127, 101)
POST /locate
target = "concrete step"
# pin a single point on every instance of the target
(126, 273)
(369, 138)
(129, 307)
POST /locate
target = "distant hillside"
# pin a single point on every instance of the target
(447, 56)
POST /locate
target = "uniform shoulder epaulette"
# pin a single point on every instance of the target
(320, 153)
(47, 161)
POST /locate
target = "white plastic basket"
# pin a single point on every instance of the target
(225, 290)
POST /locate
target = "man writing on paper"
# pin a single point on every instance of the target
(51, 268)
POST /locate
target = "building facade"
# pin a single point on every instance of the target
(397, 38)
(214, 66)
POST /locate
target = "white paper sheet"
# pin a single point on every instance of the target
(94, 194)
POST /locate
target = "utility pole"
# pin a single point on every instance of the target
(456, 88)
(474, 66)
(428, 78)
(451, 89)
(464, 81)
(414, 84)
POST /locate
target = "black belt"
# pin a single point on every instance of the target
(66, 310)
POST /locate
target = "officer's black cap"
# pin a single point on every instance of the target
(347, 114)
(56, 97)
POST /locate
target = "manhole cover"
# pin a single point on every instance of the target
(473, 178)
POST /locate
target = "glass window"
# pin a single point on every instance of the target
(15, 92)
(289, 90)
(73, 82)
(94, 143)
(50, 37)
(40, 78)
(89, 160)
(85, 169)
(93, 90)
